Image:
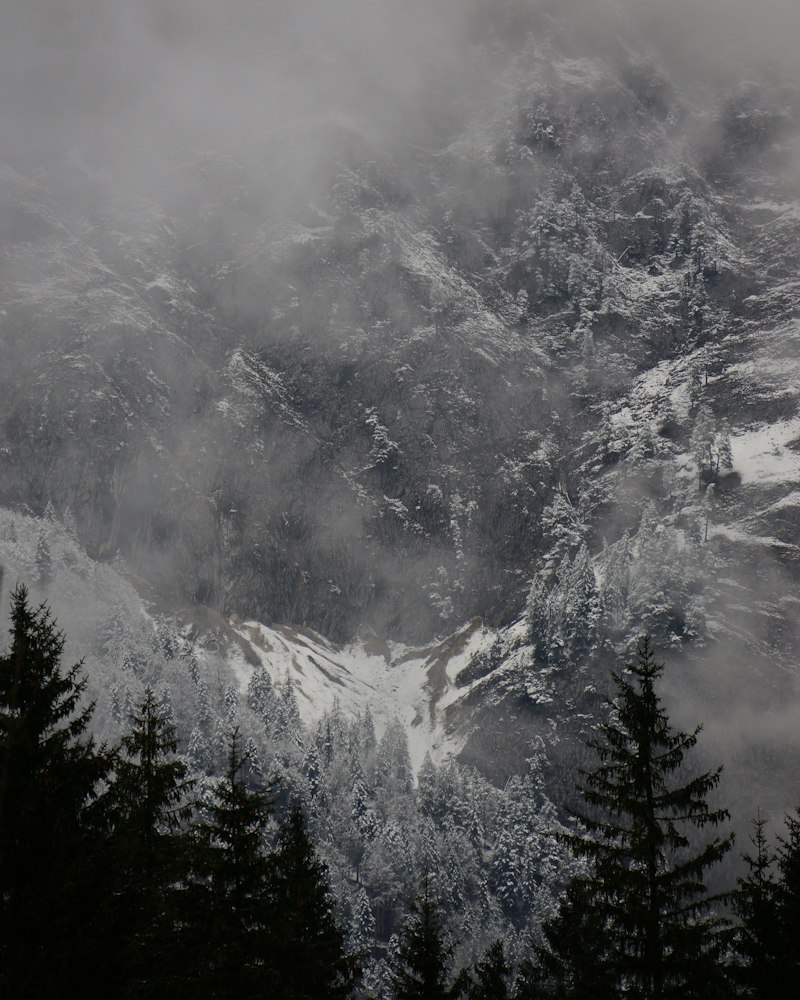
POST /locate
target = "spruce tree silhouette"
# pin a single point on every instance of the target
(646, 881)
(50, 816)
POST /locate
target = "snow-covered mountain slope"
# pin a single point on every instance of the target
(127, 641)
(367, 386)
(419, 687)
(357, 735)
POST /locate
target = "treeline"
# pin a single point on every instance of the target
(120, 876)
(638, 920)
(115, 881)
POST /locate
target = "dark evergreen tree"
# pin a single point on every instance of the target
(647, 878)
(420, 968)
(758, 935)
(151, 788)
(51, 881)
(309, 960)
(542, 626)
(575, 961)
(490, 977)
(228, 907)
(367, 733)
(152, 810)
(788, 897)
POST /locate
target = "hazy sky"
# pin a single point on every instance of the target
(129, 77)
(117, 73)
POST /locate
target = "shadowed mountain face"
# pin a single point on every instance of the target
(481, 338)
(395, 350)
(336, 376)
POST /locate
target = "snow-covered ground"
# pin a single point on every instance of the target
(414, 685)
(766, 454)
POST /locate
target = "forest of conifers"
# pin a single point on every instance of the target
(121, 877)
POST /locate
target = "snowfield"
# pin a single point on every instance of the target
(413, 685)
(768, 454)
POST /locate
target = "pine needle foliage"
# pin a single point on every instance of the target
(309, 958)
(490, 976)
(788, 896)
(420, 967)
(573, 963)
(51, 779)
(758, 935)
(152, 810)
(229, 899)
(151, 786)
(640, 819)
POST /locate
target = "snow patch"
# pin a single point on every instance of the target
(735, 534)
(411, 684)
(764, 455)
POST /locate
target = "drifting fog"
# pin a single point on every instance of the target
(130, 83)
(133, 82)
(126, 88)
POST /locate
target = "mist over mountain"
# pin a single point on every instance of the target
(432, 352)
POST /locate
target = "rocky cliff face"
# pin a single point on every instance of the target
(363, 381)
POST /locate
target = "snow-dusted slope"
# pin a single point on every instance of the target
(126, 641)
(365, 387)
(419, 687)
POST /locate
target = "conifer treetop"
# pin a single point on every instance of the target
(646, 874)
